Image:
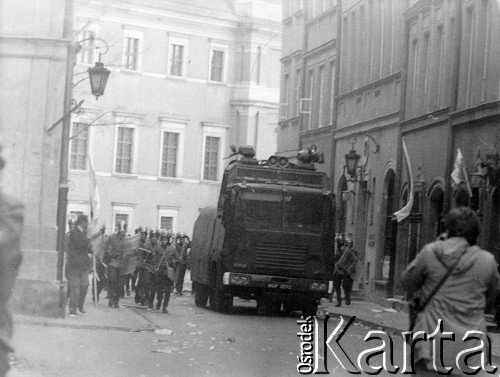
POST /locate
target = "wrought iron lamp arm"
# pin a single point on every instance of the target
(377, 146)
(79, 44)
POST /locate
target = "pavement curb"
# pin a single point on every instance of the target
(385, 328)
(81, 326)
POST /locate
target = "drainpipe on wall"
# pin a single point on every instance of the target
(62, 199)
(453, 102)
(338, 45)
(398, 182)
(303, 78)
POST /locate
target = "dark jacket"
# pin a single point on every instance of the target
(167, 255)
(11, 223)
(79, 249)
(460, 301)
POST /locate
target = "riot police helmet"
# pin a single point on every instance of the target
(165, 234)
(142, 229)
(154, 233)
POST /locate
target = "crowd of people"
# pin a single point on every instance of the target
(152, 264)
(455, 278)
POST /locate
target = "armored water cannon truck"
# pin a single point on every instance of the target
(270, 238)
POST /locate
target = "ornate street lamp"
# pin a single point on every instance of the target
(351, 162)
(98, 76)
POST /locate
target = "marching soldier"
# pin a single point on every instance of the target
(113, 254)
(148, 269)
(182, 246)
(166, 259)
(144, 246)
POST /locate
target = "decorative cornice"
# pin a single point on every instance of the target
(322, 131)
(370, 86)
(482, 111)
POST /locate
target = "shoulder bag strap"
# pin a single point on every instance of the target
(441, 282)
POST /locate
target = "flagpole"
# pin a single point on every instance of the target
(94, 278)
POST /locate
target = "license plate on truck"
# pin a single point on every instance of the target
(279, 286)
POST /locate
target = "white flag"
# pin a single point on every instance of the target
(95, 201)
(404, 212)
(459, 173)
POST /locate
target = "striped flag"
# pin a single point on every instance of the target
(404, 212)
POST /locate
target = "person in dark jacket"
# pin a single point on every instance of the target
(461, 300)
(342, 276)
(114, 248)
(182, 245)
(78, 265)
(11, 224)
(138, 276)
(166, 258)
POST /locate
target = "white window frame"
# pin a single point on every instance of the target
(225, 49)
(127, 33)
(213, 131)
(96, 45)
(180, 42)
(321, 96)
(83, 121)
(311, 77)
(180, 129)
(284, 109)
(87, 117)
(168, 212)
(297, 92)
(126, 210)
(134, 146)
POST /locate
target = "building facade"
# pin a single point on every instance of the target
(187, 80)
(425, 72)
(33, 56)
(308, 78)
(451, 106)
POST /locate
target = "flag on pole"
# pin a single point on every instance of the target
(404, 212)
(95, 202)
(459, 173)
(94, 226)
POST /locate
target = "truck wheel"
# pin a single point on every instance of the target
(201, 295)
(309, 308)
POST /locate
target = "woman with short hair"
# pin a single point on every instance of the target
(462, 298)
